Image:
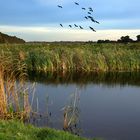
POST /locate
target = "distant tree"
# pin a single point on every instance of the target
(4, 38)
(125, 39)
(105, 41)
(100, 41)
(138, 38)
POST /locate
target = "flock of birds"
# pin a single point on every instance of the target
(87, 17)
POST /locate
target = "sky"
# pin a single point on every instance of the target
(38, 20)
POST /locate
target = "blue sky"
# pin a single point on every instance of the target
(39, 19)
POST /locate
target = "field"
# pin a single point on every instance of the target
(76, 57)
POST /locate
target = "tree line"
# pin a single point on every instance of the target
(123, 39)
(4, 38)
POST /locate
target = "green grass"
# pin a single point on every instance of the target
(83, 57)
(14, 130)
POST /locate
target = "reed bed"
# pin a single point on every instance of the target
(13, 92)
(77, 57)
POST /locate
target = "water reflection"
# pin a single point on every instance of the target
(110, 78)
(108, 107)
(71, 122)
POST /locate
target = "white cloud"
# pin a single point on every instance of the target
(65, 34)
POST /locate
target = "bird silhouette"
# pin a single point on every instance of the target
(59, 6)
(76, 3)
(86, 17)
(97, 22)
(81, 27)
(84, 8)
(75, 25)
(89, 13)
(92, 28)
(90, 17)
(61, 25)
(90, 10)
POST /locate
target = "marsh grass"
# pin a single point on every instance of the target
(77, 57)
(13, 93)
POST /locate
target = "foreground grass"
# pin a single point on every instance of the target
(14, 130)
(83, 57)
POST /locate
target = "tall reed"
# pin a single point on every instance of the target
(78, 57)
(13, 93)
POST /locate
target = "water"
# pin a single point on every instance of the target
(108, 105)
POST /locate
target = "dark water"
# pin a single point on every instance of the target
(107, 105)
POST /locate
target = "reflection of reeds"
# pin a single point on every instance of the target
(13, 94)
(71, 114)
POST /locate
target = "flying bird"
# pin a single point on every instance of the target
(86, 17)
(92, 29)
(90, 17)
(61, 25)
(89, 13)
(97, 22)
(90, 10)
(75, 25)
(92, 20)
(76, 3)
(81, 27)
(59, 6)
(84, 8)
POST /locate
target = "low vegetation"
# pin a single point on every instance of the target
(15, 130)
(77, 57)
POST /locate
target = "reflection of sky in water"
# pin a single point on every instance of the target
(105, 111)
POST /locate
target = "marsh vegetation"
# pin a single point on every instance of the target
(13, 92)
(78, 63)
(77, 57)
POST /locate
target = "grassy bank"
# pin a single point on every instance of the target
(13, 130)
(83, 57)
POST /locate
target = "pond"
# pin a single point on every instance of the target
(105, 105)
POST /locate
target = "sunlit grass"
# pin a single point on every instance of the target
(14, 130)
(78, 57)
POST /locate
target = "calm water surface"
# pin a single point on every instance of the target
(108, 105)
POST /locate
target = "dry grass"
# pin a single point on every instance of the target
(13, 93)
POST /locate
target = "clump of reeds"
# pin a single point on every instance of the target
(71, 114)
(13, 93)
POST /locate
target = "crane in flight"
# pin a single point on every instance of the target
(59, 6)
(70, 26)
(83, 8)
(92, 28)
(88, 16)
(76, 3)
(61, 25)
(81, 27)
(75, 25)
